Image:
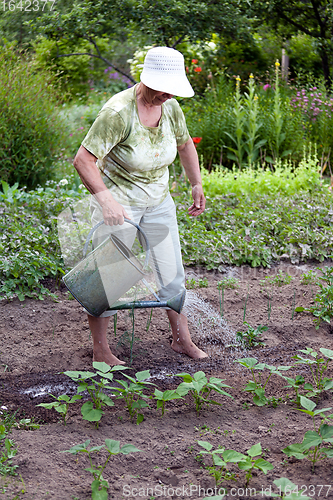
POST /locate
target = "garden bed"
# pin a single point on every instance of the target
(41, 339)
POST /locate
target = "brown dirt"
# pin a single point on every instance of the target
(42, 339)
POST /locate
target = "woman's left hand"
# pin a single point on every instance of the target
(199, 201)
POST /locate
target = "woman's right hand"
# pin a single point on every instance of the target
(113, 212)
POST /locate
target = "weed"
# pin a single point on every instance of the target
(92, 410)
(200, 388)
(251, 337)
(311, 446)
(133, 395)
(99, 486)
(8, 452)
(61, 405)
(309, 278)
(323, 310)
(257, 386)
(279, 279)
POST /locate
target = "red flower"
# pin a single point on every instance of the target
(196, 140)
(198, 69)
(194, 61)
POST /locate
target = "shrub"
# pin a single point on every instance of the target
(30, 130)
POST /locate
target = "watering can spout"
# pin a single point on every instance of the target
(175, 303)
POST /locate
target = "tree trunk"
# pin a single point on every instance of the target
(326, 68)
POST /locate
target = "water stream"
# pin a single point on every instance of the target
(206, 324)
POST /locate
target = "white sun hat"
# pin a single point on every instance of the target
(164, 70)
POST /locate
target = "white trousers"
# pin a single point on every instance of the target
(159, 223)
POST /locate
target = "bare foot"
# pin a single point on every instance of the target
(190, 349)
(105, 354)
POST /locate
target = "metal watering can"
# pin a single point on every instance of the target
(109, 271)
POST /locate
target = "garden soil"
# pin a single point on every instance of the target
(42, 339)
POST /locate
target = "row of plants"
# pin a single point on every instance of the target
(260, 219)
(252, 123)
(136, 392)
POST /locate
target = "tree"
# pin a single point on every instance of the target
(312, 17)
(164, 22)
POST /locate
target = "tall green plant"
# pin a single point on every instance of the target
(252, 124)
(30, 131)
(278, 121)
(239, 112)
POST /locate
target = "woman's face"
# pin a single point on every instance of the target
(154, 97)
(160, 98)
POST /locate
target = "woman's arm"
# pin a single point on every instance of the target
(189, 159)
(85, 164)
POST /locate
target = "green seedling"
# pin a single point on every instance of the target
(26, 424)
(92, 410)
(251, 337)
(61, 405)
(257, 386)
(7, 419)
(250, 462)
(287, 490)
(192, 283)
(132, 393)
(219, 469)
(313, 441)
(279, 279)
(8, 452)
(323, 310)
(99, 486)
(295, 383)
(309, 278)
(200, 388)
(162, 397)
(318, 366)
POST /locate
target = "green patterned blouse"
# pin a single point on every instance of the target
(132, 158)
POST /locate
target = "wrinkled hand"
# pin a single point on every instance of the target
(113, 212)
(199, 201)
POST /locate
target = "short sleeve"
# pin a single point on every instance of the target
(107, 130)
(181, 132)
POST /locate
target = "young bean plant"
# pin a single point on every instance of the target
(316, 444)
(200, 388)
(93, 410)
(132, 393)
(162, 397)
(287, 490)
(250, 462)
(99, 486)
(61, 405)
(318, 366)
(257, 386)
(219, 469)
(251, 337)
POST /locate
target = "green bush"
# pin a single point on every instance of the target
(30, 130)
(29, 246)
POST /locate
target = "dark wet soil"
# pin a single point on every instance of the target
(41, 340)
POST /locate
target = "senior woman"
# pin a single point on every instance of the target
(123, 161)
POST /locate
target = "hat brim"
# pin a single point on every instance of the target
(178, 86)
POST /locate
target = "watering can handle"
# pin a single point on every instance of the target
(130, 222)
